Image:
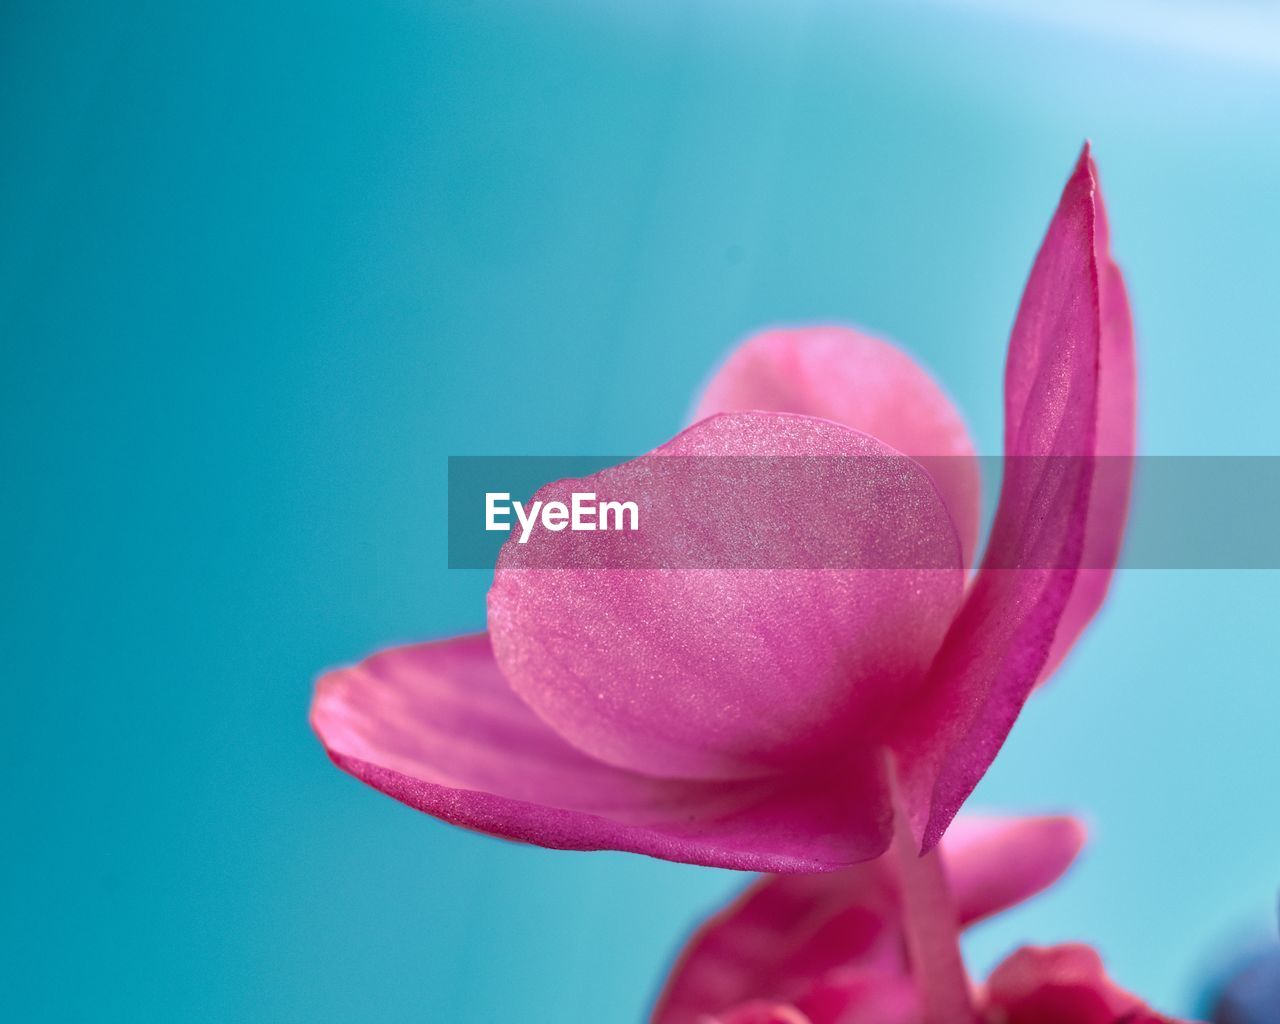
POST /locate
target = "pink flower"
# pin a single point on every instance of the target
(842, 947)
(763, 719)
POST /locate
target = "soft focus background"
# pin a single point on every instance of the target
(265, 266)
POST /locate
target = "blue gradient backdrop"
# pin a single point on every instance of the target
(264, 267)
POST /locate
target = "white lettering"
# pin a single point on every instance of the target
(617, 508)
(526, 520)
(555, 516)
(582, 514)
(493, 508)
(581, 508)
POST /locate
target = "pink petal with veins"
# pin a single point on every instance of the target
(1115, 444)
(1000, 642)
(735, 673)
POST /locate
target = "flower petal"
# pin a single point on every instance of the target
(857, 996)
(763, 1013)
(437, 727)
(996, 863)
(729, 672)
(865, 383)
(1115, 444)
(786, 936)
(1061, 985)
(819, 940)
(1000, 641)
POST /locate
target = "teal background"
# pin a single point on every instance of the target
(265, 266)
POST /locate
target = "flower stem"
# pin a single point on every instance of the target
(933, 938)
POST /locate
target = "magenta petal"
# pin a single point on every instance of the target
(828, 942)
(437, 727)
(786, 937)
(852, 378)
(1061, 985)
(994, 863)
(1115, 444)
(823, 941)
(1001, 639)
(762, 1013)
(735, 673)
(855, 996)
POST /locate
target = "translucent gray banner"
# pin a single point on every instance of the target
(872, 512)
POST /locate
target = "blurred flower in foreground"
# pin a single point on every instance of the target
(784, 720)
(1252, 994)
(844, 947)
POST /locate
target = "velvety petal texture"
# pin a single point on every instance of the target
(1000, 642)
(865, 383)
(754, 683)
(437, 727)
(733, 673)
